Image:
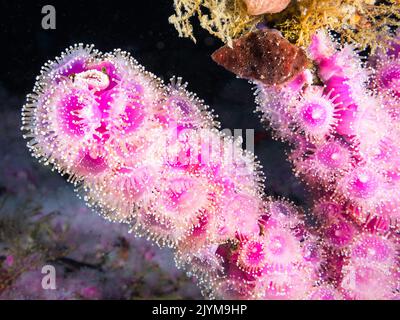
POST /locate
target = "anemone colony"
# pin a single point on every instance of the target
(150, 155)
(342, 122)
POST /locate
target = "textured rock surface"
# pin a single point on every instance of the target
(262, 55)
(256, 7)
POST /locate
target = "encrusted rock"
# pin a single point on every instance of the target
(262, 55)
(257, 7)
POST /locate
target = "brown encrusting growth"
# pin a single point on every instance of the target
(224, 19)
(262, 55)
(364, 23)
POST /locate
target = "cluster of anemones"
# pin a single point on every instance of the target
(342, 122)
(150, 155)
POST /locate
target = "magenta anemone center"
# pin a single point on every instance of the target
(314, 114)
